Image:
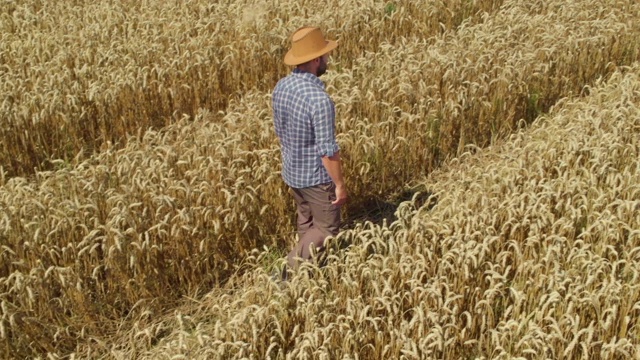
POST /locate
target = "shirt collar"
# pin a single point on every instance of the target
(308, 76)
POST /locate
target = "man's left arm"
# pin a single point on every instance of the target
(327, 146)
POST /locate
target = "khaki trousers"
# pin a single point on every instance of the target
(317, 219)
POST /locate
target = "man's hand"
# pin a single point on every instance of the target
(341, 195)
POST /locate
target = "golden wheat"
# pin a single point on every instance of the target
(79, 76)
(555, 279)
(121, 235)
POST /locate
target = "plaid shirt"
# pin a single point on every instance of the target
(304, 118)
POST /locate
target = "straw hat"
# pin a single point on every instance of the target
(308, 43)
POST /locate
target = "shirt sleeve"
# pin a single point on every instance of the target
(324, 124)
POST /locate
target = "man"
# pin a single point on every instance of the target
(304, 119)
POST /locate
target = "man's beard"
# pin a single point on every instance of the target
(322, 68)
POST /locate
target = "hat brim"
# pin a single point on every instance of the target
(290, 59)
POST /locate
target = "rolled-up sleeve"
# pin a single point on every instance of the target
(324, 114)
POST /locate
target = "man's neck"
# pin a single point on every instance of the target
(306, 69)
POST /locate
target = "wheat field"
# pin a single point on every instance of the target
(142, 210)
(529, 249)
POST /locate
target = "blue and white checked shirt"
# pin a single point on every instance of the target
(304, 118)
